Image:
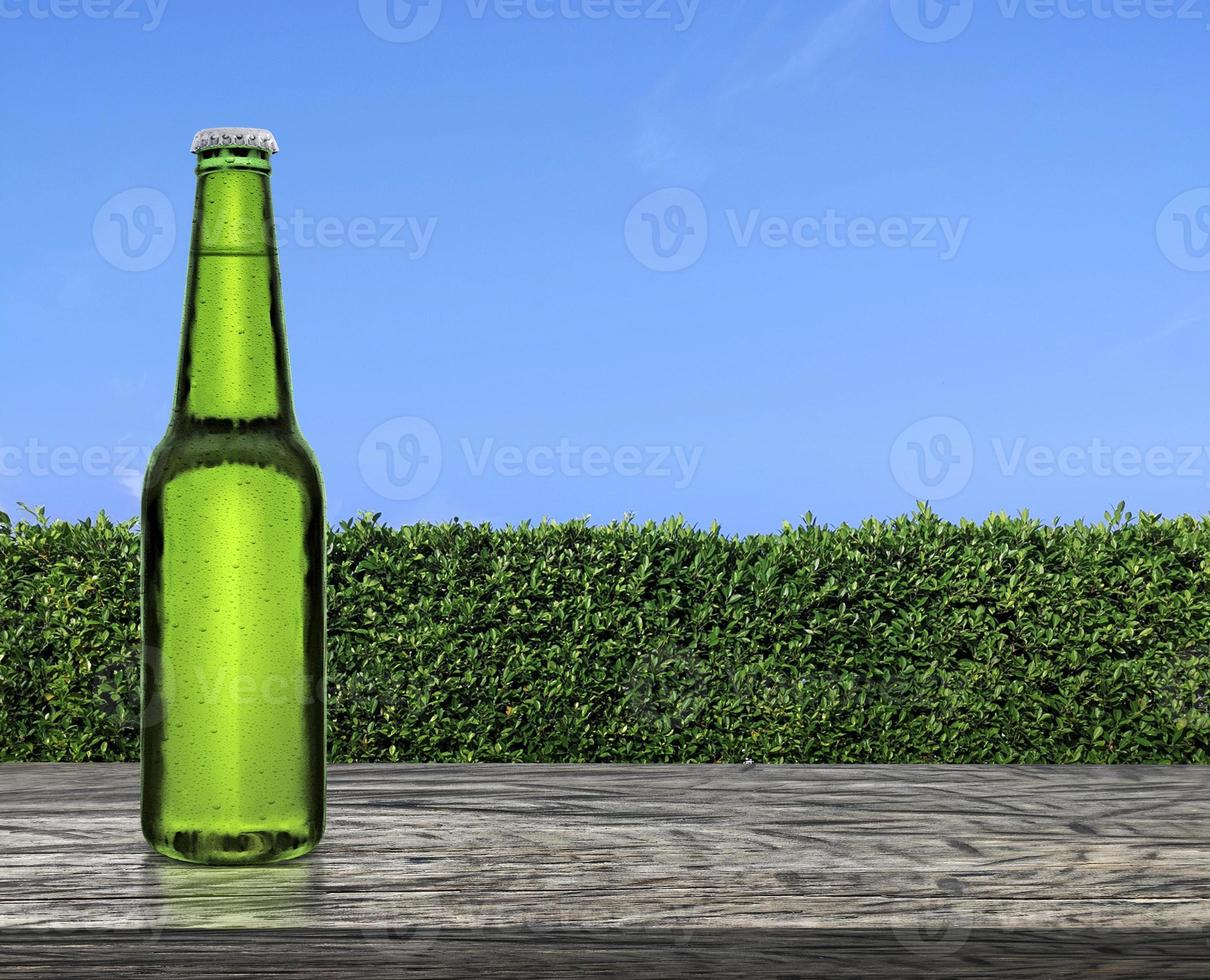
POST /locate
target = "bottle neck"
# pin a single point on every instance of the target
(233, 366)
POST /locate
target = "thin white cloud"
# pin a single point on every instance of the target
(1193, 316)
(131, 481)
(831, 35)
(657, 142)
(699, 94)
(1196, 315)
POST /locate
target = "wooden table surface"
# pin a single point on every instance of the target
(637, 871)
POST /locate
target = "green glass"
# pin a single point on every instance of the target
(233, 526)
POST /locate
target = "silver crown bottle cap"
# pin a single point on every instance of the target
(256, 139)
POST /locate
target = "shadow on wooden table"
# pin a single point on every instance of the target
(646, 953)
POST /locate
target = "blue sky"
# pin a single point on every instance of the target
(735, 261)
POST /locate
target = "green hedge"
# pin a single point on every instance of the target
(911, 640)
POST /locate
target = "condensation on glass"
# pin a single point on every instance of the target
(233, 530)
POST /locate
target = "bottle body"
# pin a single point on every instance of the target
(233, 528)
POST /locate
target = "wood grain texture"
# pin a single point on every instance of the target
(633, 871)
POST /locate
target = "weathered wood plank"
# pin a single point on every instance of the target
(644, 871)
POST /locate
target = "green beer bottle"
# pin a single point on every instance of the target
(233, 532)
